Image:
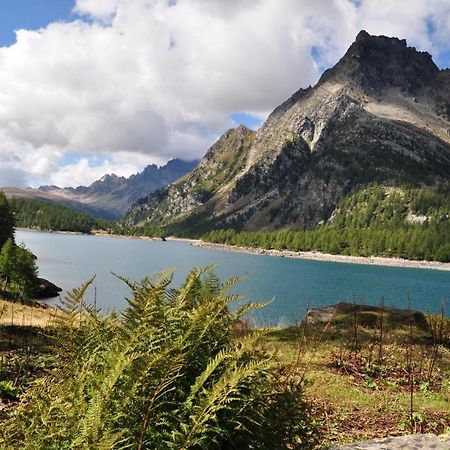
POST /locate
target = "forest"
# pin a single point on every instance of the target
(403, 222)
(32, 213)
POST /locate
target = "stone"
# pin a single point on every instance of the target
(411, 442)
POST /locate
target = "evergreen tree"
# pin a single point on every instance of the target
(6, 220)
(18, 271)
(372, 221)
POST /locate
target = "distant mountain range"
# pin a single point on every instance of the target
(381, 115)
(111, 196)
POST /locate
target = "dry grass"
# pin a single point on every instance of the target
(16, 314)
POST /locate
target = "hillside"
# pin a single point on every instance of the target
(111, 196)
(399, 222)
(380, 115)
(32, 213)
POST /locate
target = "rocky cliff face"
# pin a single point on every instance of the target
(111, 196)
(207, 185)
(381, 114)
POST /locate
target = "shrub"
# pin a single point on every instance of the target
(167, 374)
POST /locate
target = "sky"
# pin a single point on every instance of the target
(89, 87)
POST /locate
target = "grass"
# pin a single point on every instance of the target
(16, 314)
(357, 392)
(24, 349)
(359, 395)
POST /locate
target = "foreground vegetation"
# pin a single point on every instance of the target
(169, 373)
(376, 221)
(177, 370)
(372, 372)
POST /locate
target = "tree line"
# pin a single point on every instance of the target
(376, 221)
(32, 213)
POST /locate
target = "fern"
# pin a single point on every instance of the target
(165, 374)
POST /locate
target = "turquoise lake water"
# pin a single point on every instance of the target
(292, 284)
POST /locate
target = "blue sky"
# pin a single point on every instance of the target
(94, 96)
(31, 14)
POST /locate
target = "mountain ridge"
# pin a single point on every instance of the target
(111, 195)
(381, 114)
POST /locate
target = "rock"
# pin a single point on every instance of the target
(366, 314)
(47, 289)
(411, 442)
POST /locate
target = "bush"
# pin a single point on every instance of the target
(168, 374)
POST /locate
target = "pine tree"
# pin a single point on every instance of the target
(18, 270)
(6, 220)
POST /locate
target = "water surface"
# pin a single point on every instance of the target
(293, 284)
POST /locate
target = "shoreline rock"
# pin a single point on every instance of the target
(47, 289)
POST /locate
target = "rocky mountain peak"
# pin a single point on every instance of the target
(109, 178)
(374, 63)
(381, 115)
(48, 188)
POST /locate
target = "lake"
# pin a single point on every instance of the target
(292, 284)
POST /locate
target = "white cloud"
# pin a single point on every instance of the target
(84, 171)
(160, 79)
(102, 10)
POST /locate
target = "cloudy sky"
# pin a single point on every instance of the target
(89, 87)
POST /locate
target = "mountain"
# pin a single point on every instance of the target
(380, 115)
(111, 196)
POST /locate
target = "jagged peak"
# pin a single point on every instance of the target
(178, 162)
(374, 62)
(108, 176)
(47, 188)
(239, 130)
(362, 35)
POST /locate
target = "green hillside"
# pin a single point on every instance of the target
(380, 221)
(31, 213)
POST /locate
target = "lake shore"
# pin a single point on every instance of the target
(318, 256)
(315, 256)
(93, 233)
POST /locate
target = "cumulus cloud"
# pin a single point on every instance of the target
(88, 168)
(140, 81)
